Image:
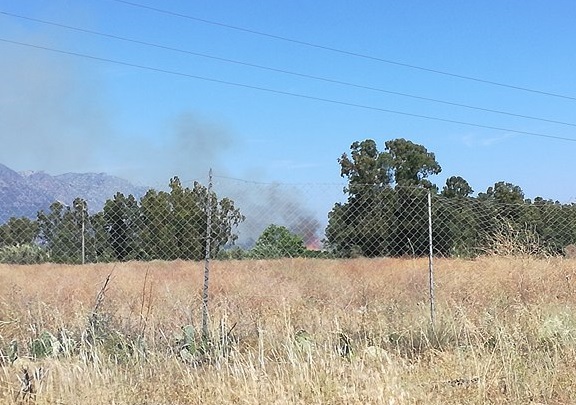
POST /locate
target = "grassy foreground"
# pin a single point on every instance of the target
(299, 331)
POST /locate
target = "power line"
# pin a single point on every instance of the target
(287, 72)
(285, 93)
(276, 183)
(345, 52)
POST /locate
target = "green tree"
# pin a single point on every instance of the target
(175, 223)
(276, 242)
(364, 225)
(122, 221)
(189, 219)
(456, 187)
(456, 221)
(60, 230)
(411, 163)
(98, 243)
(506, 201)
(378, 219)
(366, 168)
(18, 231)
(455, 225)
(503, 193)
(403, 163)
(553, 222)
(158, 233)
(224, 218)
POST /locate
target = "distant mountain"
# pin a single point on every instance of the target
(24, 194)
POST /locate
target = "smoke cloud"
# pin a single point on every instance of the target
(196, 145)
(47, 123)
(57, 118)
(266, 204)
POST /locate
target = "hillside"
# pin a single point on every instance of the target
(25, 193)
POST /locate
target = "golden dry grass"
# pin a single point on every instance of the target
(505, 332)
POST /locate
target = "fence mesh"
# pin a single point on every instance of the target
(254, 220)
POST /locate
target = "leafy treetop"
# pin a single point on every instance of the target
(403, 163)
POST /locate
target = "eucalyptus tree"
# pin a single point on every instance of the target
(18, 231)
(60, 231)
(383, 186)
(121, 217)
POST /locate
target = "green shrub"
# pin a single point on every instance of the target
(276, 242)
(23, 254)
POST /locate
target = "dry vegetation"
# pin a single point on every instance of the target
(291, 332)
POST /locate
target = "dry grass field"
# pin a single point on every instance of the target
(299, 331)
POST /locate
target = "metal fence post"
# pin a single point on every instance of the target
(205, 330)
(431, 260)
(83, 232)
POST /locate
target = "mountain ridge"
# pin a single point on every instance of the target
(23, 194)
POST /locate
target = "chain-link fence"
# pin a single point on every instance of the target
(227, 218)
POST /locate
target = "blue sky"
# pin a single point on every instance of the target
(64, 113)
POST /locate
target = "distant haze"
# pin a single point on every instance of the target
(58, 114)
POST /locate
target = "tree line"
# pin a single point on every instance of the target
(163, 225)
(385, 214)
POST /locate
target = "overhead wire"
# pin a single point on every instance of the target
(282, 92)
(345, 52)
(287, 72)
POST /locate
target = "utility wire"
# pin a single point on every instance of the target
(276, 183)
(281, 92)
(287, 72)
(345, 52)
